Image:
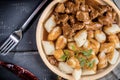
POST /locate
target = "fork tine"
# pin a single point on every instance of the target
(5, 43)
(4, 52)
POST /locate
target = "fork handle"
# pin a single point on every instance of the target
(25, 25)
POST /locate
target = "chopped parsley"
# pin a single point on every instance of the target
(73, 47)
(87, 53)
(82, 61)
(90, 64)
(66, 55)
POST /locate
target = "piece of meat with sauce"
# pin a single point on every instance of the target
(85, 8)
(66, 29)
(76, 7)
(61, 18)
(77, 26)
(52, 60)
(69, 7)
(80, 2)
(72, 19)
(82, 16)
(104, 8)
(68, 32)
(93, 26)
(60, 8)
(106, 20)
(94, 14)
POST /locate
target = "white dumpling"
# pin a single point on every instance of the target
(88, 72)
(80, 38)
(113, 56)
(86, 44)
(61, 42)
(114, 39)
(48, 47)
(50, 23)
(77, 74)
(100, 36)
(64, 67)
(55, 33)
(114, 29)
(102, 60)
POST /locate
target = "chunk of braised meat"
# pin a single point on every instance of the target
(52, 60)
(80, 2)
(82, 16)
(93, 26)
(80, 5)
(61, 18)
(76, 7)
(104, 8)
(77, 26)
(67, 31)
(69, 7)
(72, 19)
(85, 8)
(94, 14)
(87, 22)
(92, 3)
(108, 19)
(60, 8)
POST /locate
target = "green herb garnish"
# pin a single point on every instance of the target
(87, 53)
(66, 55)
(82, 61)
(90, 64)
(73, 48)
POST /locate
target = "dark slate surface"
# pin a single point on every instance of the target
(30, 61)
(13, 13)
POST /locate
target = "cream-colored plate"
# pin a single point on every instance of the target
(39, 38)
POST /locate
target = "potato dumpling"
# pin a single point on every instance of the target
(64, 67)
(114, 38)
(102, 60)
(100, 36)
(91, 34)
(113, 56)
(72, 46)
(55, 33)
(95, 45)
(80, 38)
(87, 45)
(94, 57)
(48, 47)
(50, 23)
(61, 42)
(114, 29)
(107, 47)
(90, 71)
(69, 53)
(58, 54)
(77, 74)
(60, 8)
(73, 62)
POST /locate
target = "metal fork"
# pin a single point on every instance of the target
(16, 36)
